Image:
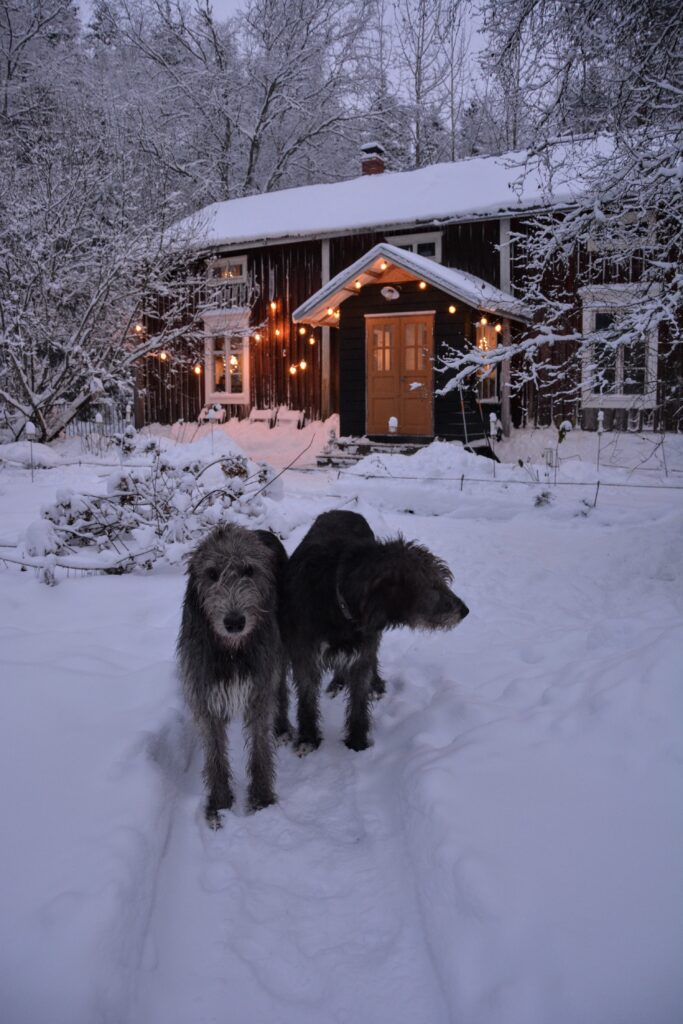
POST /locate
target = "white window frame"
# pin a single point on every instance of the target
(413, 241)
(230, 324)
(226, 261)
(610, 298)
(487, 385)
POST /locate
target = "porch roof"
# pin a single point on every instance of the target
(387, 264)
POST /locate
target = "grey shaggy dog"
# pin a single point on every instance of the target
(232, 658)
(345, 588)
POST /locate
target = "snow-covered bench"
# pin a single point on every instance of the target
(286, 417)
(263, 416)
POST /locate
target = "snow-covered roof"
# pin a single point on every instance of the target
(379, 265)
(464, 190)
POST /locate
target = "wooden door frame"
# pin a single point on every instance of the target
(427, 314)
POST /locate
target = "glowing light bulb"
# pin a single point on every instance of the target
(483, 321)
(138, 328)
(311, 340)
(303, 364)
(302, 330)
(358, 285)
(277, 332)
(498, 328)
(383, 265)
(423, 285)
(292, 370)
(163, 356)
(273, 305)
(257, 336)
(197, 369)
(452, 309)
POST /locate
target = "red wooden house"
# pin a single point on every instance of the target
(343, 297)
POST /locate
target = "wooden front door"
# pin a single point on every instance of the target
(399, 351)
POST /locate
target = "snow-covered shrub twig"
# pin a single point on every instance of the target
(151, 512)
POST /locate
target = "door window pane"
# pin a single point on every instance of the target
(415, 347)
(382, 348)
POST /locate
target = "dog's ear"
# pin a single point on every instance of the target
(383, 598)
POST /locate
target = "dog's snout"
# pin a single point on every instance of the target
(462, 609)
(234, 622)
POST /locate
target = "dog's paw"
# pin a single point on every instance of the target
(284, 736)
(378, 688)
(357, 742)
(213, 818)
(302, 748)
(257, 801)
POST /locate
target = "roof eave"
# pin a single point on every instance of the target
(315, 310)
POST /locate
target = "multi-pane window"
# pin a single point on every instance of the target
(616, 375)
(232, 269)
(613, 368)
(426, 244)
(487, 341)
(228, 365)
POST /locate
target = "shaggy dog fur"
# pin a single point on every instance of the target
(232, 657)
(345, 588)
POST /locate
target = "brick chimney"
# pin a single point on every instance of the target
(372, 158)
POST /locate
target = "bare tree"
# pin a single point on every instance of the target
(624, 221)
(423, 65)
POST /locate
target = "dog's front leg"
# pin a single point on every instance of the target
(361, 678)
(216, 768)
(259, 723)
(307, 682)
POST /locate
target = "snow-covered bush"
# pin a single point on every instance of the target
(152, 512)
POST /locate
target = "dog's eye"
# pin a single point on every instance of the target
(248, 570)
(213, 575)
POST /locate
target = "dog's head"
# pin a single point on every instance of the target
(233, 574)
(400, 583)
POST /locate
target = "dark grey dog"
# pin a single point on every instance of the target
(232, 658)
(344, 589)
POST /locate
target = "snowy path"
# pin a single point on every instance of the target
(305, 912)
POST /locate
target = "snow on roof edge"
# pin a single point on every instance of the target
(460, 284)
(471, 189)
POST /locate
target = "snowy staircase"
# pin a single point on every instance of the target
(345, 451)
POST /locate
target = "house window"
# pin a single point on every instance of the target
(228, 365)
(226, 357)
(487, 341)
(615, 375)
(427, 244)
(231, 270)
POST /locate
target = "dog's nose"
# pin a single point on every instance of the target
(234, 622)
(463, 609)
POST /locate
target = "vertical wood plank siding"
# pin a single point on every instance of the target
(286, 274)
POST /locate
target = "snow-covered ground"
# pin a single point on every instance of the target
(509, 851)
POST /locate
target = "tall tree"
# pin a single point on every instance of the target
(616, 67)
